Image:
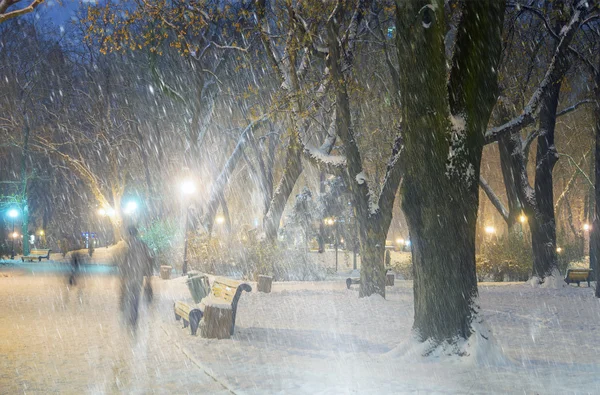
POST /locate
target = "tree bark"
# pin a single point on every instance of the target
(24, 191)
(291, 172)
(595, 234)
(543, 226)
(321, 235)
(372, 257)
(440, 185)
(510, 181)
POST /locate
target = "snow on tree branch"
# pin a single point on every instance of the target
(493, 198)
(393, 175)
(553, 74)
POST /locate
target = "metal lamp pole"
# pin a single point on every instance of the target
(185, 238)
(335, 232)
(12, 254)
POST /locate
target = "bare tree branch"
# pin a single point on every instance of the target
(553, 74)
(4, 16)
(493, 198)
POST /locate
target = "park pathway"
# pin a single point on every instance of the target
(56, 339)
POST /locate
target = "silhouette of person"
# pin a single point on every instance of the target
(134, 263)
(75, 263)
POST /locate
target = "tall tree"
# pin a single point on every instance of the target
(444, 122)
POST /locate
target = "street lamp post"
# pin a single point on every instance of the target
(13, 214)
(330, 222)
(187, 188)
(586, 239)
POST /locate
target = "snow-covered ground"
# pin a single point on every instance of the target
(304, 337)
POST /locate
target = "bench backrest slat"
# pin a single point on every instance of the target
(39, 252)
(223, 290)
(578, 274)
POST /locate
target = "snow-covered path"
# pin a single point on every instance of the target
(53, 339)
(303, 338)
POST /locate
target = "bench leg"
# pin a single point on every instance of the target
(195, 317)
(185, 323)
(577, 283)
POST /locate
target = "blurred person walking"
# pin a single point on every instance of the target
(77, 259)
(134, 261)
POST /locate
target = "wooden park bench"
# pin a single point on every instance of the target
(389, 279)
(578, 275)
(222, 291)
(36, 254)
(350, 281)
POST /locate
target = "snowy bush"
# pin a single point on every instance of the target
(507, 259)
(570, 255)
(244, 256)
(162, 238)
(401, 264)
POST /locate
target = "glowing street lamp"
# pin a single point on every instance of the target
(490, 230)
(587, 227)
(558, 250)
(131, 207)
(220, 219)
(188, 187)
(522, 218)
(102, 212)
(400, 241)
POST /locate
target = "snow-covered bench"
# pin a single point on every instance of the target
(222, 291)
(389, 279)
(36, 254)
(578, 275)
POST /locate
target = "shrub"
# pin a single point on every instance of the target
(165, 239)
(571, 252)
(508, 258)
(245, 256)
(401, 263)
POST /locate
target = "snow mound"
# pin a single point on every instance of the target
(361, 178)
(553, 281)
(479, 350)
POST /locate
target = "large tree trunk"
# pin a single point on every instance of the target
(321, 235)
(595, 234)
(510, 181)
(372, 255)
(291, 172)
(543, 226)
(443, 248)
(442, 156)
(24, 190)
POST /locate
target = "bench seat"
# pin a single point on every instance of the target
(578, 275)
(38, 254)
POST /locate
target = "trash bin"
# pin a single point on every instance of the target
(193, 273)
(198, 286)
(165, 272)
